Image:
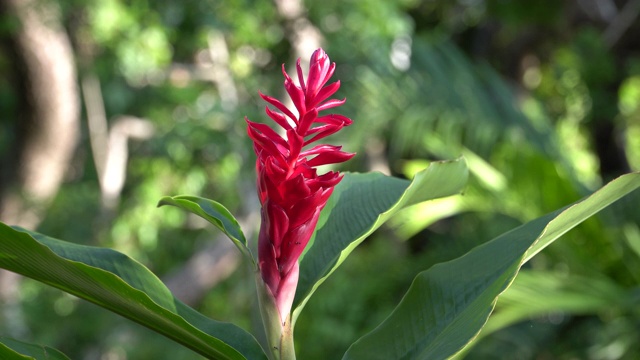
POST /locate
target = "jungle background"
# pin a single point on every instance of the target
(105, 106)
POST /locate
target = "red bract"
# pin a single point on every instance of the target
(290, 190)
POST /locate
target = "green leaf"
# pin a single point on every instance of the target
(120, 284)
(536, 293)
(213, 212)
(14, 349)
(447, 305)
(360, 204)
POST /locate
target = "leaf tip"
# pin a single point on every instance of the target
(165, 200)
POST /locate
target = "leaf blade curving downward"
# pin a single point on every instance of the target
(359, 205)
(120, 284)
(447, 305)
(215, 213)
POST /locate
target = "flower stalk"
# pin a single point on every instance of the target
(291, 192)
(279, 337)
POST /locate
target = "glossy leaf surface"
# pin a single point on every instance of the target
(360, 204)
(213, 212)
(14, 349)
(447, 305)
(120, 284)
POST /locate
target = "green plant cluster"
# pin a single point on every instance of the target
(540, 102)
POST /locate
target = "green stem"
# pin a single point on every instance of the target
(279, 336)
(287, 347)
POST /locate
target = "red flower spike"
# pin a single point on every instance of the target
(291, 192)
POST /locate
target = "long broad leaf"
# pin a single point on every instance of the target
(447, 305)
(360, 204)
(14, 349)
(213, 212)
(534, 294)
(537, 293)
(120, 284)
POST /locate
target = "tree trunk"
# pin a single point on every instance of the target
(46, 125)
(48, 120)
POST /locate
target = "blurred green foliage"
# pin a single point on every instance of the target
(532, 93)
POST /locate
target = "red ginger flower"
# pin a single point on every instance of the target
(290, 190)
